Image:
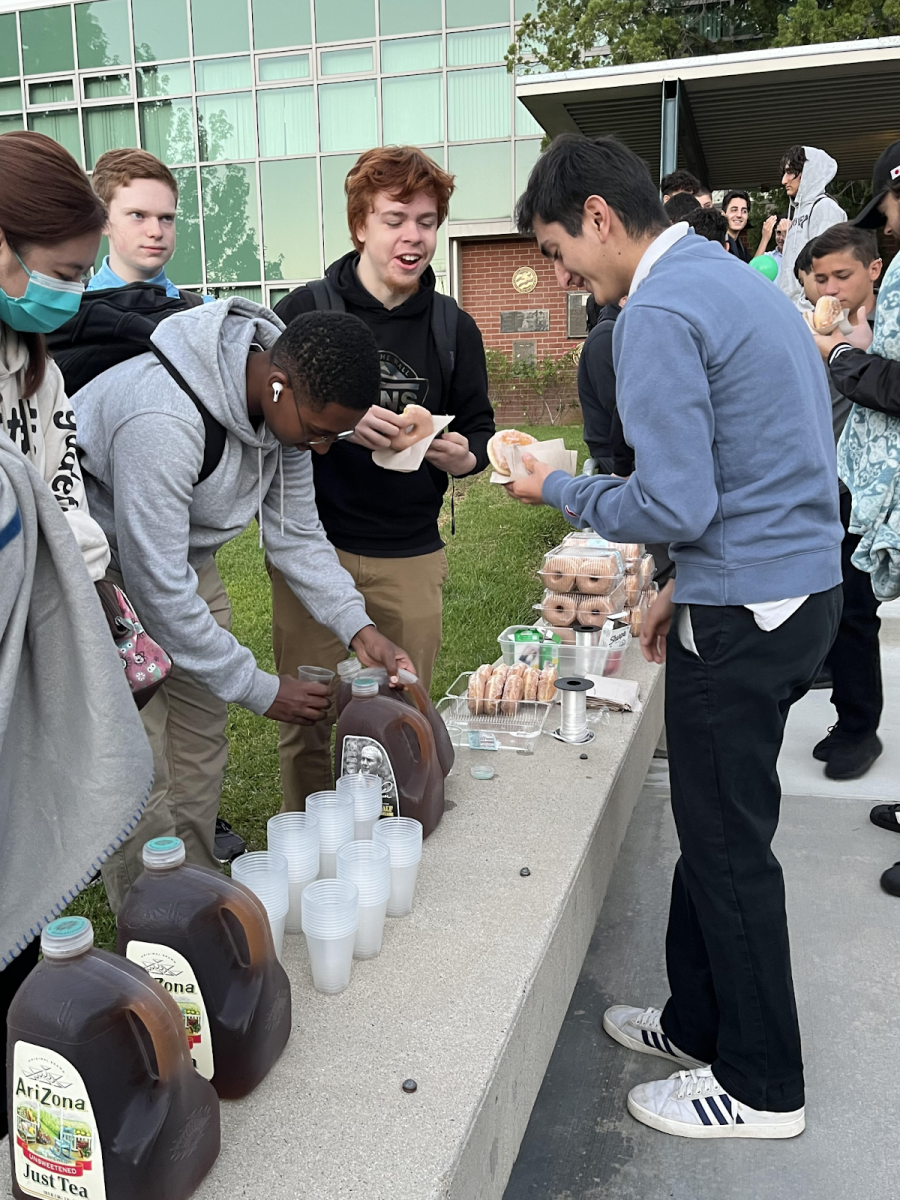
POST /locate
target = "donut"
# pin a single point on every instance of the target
(475, 693)
(513, 692)
(559, 573)
(632, 590)
(506, 437)
(827, 314)
(630, 552)
(518, 669)
(530, 680)
(486, 670)
(636, 617)
(558, 609)
(494, 690)
(645, 568)
(597, 576)
(547, 685)
(418, 425)
(593, 610)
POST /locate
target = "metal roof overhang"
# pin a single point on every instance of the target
(737, 113)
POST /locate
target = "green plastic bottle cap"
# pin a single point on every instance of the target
(67, 937)
(161, 853)
(365, 687)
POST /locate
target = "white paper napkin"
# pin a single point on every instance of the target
(620, 694)
(553, 453)
(411, 458)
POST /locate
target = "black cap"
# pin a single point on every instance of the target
(885, 175)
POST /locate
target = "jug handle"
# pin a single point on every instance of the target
(254, 920)
(166, 1031)
(415, 689)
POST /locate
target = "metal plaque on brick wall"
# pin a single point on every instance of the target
(524, 351)
(533, 320)
(576, 314)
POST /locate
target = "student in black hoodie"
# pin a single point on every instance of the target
(384, 523)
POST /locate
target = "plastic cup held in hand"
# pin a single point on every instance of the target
(296, 836)
(366, 793)
(330, 922)
(315, 675)
(368, 865)
(403, 838)
(265, 873)
(335, 815)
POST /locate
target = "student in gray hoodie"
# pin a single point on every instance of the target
(279, 394)
(805, 173)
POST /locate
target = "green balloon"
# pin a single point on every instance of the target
(766, 265)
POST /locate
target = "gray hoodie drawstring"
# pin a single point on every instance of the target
(259, 494)
(281, 487)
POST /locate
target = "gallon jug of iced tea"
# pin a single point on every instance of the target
(415, 694)
(206, 939)
(384, 736)
(104, 1102)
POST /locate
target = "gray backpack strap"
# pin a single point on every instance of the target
(444, 321)
(326, 298)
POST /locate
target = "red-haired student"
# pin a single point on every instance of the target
(384, 524)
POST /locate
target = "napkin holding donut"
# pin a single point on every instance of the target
(552, 453)
(411, 457)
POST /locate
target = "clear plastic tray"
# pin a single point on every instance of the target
(588, 543)
(515, 731)
(586, 610)
(570, 569)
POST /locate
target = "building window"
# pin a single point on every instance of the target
(9, 45)
(283, 68)
(173, 79)
(334, 206)
(355, 60)
(477, 12)
(478, 104)
(101, 30)
(10, 97)
(409, 16)
(483, 182)
(167, 130)
(347, 116)
(107, 129)
(61, 126)
(276, 24)
(223, 74)
(160, 29)
(290, 214)
(477, 47)
(225, 127)
(220, 26)
(287, 121)
(230, 223)
(527, 154)
(54, 91)
(412, 109)
(186, 264)
(106, 87)
(411, 54)
(10, 123)
(47, 40)
(344, 20)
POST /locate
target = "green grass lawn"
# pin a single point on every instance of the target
(494, 557)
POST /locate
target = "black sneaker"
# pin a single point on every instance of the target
(890, 880)
(851, 760)
(886, 816)
(822, 750)
(229, 845)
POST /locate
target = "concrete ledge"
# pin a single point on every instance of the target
(467, 997)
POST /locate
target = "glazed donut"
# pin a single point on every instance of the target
(593, 610)
(597, 576)
(558, 609)
(494, 690)
(645, 568)
(506, 437)
(632, 590)
(827, 314)
(630, 552)
(418, 425)
(518, 668)
(486, 670)
(530, 680)
(512, 694)
(475, 693)
(547, 685)
(636, 617)
(559, 573)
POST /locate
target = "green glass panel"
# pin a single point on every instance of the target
(334, 206)
(527, 154)
(225, 125)
(47, 40)
(160, 29)
(476, 12)
(61, 126)
(439, 262)
(276, 295)
(186, 264)
(411, 54)
(9, 45)
(167, 130)
(409, 16)
(249, 293)
(230, 223)
(478, 46)
(523, 7)
(358, 61)
(290, 214)
(483, 182)
(221, 74)
(290, 66)
(58, 91)
(412, 109)
(344, 20)
(10, 97)
(526, 125)
(106, 87)
(173, 79)
(478, 104)
(287, 121)
(107, 129)
(436, 153)
(220, 26)
(278, 24)
(101, 30)
(8, 124)
(347, 117)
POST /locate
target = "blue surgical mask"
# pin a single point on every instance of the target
(47, 304)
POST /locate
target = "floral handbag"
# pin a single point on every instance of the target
(145, 663)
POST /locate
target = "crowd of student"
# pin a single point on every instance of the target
(162, 425)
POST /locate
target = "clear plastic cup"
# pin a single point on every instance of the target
(315, 675)
(403, 838)
(335, 816)
(330, 922)
(296, 836)
(265, 873)
(368, 865)
(366, 792)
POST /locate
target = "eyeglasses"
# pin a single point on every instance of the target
(327, 439)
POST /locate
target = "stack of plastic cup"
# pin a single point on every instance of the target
(296, 836)
(335, 816)
(403, 838)
(366, 792)
(368, 865)
(265, 873)
(330, 920)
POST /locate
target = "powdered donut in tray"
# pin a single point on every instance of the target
(558, 608)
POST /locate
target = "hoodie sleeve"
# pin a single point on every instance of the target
(868, 380)
(473, 414)
(296, 544)
(152, 533)
(672, 494)
(825, 213)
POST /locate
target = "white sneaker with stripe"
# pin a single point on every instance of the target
(639, 1029)
(692, 1104)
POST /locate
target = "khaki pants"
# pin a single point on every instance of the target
(185, 725)
(403, 597)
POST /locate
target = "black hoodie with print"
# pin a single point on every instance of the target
(388, 514)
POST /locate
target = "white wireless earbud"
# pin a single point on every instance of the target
(277, 389)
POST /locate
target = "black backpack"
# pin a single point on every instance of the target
(115, 324)
(444, 320)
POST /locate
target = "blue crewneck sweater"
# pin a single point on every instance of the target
(724, 398)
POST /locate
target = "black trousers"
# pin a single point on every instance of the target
(11, 979)
(727, 950)
(855, 657)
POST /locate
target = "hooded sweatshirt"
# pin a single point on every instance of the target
(388, 514)
(812, 213)
(43, 428)
(142, 442)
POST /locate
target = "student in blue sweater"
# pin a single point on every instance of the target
(728, 411)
